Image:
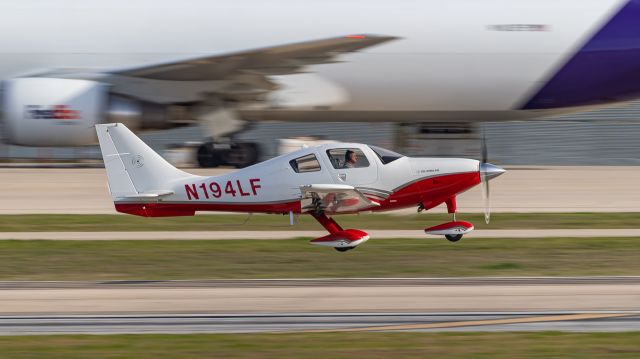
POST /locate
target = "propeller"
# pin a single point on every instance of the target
(486, 192)
(487, 172)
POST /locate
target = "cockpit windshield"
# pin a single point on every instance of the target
(386, 156)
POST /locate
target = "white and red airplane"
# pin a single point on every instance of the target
(321, 181)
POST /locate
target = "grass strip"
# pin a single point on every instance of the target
(296, 258)
(301, 345)
(100, 223)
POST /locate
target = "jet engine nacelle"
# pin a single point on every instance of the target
(63, 112)
(52, 112)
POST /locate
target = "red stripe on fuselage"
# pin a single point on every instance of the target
(431, 192)
(189, 209)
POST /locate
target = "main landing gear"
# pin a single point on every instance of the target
(342, 240)
(453, 231)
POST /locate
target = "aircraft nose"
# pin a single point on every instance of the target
(491, 171)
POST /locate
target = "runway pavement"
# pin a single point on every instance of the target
(393, 295)
(530, 189)
(279, 235)
(361, 304)
(318, 323)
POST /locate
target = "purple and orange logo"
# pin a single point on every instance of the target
(55, 112)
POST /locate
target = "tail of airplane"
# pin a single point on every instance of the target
(134, 170)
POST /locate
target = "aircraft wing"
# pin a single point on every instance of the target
(276, 60)
(333, 198)
(247, 72)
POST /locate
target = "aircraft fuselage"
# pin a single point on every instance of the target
(457, 60)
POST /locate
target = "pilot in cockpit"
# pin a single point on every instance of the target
(350, 159)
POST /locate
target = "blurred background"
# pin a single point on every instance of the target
(551, 89)
(604, 137)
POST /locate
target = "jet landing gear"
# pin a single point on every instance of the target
(453, 231)
(342, 240)
(221, 121)
(239, 155)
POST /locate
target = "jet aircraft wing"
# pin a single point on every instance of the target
(247, 72)
(332, 198)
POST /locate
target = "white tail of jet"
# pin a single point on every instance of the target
(134, 170)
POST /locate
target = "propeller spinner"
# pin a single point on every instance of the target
(487, 173)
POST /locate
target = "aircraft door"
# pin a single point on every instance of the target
(354, 166)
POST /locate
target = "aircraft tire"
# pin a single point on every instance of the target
(244, 154)
(207, 156)
(344, 249)
(453, 237)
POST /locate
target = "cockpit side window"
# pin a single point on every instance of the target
(342, 158)
(386, 156)
(304, 164)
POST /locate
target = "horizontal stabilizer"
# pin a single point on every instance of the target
(148, 195)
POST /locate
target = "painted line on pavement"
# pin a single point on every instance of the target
(474, 323)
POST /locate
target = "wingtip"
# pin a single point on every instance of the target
(105, 125)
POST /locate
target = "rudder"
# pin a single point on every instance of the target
(133, 168)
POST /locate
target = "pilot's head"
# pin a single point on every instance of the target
(350, 157)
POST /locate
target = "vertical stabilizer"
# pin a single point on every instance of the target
(133, 168)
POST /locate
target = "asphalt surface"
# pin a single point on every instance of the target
(521, 189)
(313, 322)
(359, 304)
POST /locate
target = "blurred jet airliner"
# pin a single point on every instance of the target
(68, 65)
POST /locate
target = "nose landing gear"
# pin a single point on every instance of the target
(453, 237)
(453, 231)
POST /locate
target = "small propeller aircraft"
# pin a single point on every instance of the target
(321, 181)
